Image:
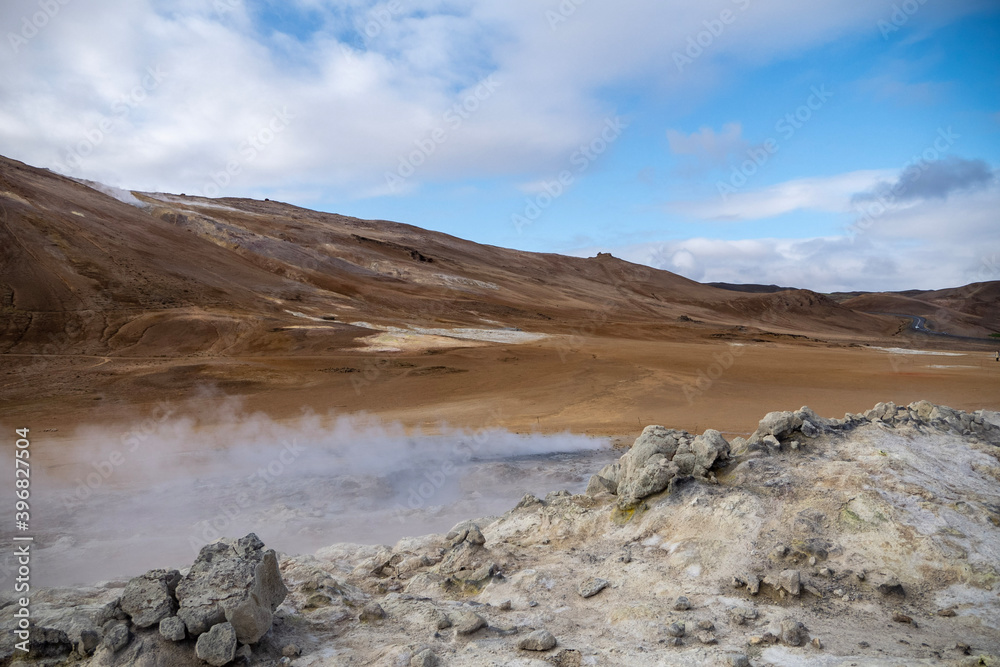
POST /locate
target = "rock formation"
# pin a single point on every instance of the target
(871, 540)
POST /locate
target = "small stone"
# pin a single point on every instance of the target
(891, 586)
(467, 622)
(812, 560)
(291, 651)
(682, 604)
(172, 628)
(533, 604)
(244, 653)
(676, 630)
(424, 658)
(706, 638)
(753, 584)
(793, 633)
(217, 646)
(592, 587)
(539, 640)
(864, 644)
(817, 644)
(506, 605)
(900, 617)
(117, 637)
(860, 574)
(88, 642)
(946, 613)
(475, 535)
(372, 612)
(791, 581)
(706, 625)
(739, 660)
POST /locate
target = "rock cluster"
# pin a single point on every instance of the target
(658, 458)
(226, 599)
(779, 431)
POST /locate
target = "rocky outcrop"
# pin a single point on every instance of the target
(232, 581)
(150, 598)
(657, 458)
(878, 531)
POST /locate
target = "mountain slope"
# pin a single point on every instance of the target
(83, 272)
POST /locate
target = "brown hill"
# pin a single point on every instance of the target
(971, 310)
(84, 272)
(121, 305)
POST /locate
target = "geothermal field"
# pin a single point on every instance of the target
(260, 434)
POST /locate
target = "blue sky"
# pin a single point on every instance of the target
(830, 145)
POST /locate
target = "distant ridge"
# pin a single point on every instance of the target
(753, 289)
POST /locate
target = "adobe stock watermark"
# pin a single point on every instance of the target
(451, 120)
(256, 484)
(73, 156)
(422, 491)
(255, 144)
(602, 314)
(900, 16)
(562, 13)
(880, 204)
(581, 159)
(700, 42)
(103, 469)
(786, 127)
(32, 25)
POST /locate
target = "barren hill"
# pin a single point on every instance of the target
(131, 298)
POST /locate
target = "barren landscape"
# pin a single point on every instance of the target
(167, 352)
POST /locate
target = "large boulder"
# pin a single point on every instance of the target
(150, 598)
(232, 581)
(779, 424)
(659, 456)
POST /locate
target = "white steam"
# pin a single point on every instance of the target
(112, 503)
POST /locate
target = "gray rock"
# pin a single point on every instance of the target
(676, 630)
(600, 484)
(232, 581)
(149, 599)
(539, 640)
(809, 430)
(682, 604)
(244, 653)
(172, 628)
(372, 612)
(217, 646)
(117, 637)
(890, 585)
(791, 581)
(467, 622)
(651, 478)
(291, 651)
(475, 535)
(739, 660)
(779, 424)
(709, 448)
(592, 586)
(424, 658)
(87, 643)
(794, 633)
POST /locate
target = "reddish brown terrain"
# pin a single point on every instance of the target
(108, 307)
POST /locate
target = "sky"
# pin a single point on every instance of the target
(830, 145)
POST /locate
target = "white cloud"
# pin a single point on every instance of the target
(832, 194)
(930, 245)
(357, 111)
